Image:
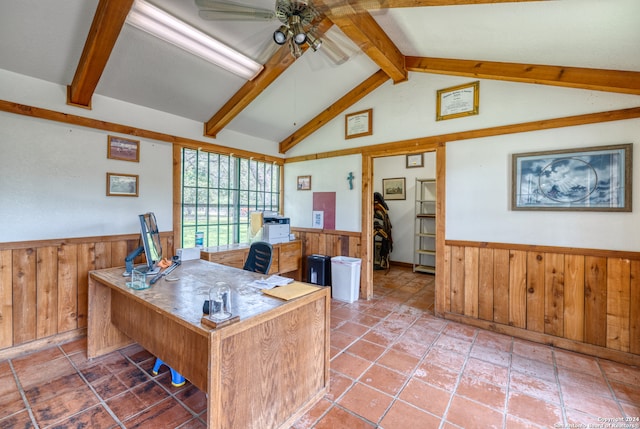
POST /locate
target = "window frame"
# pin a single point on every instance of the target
(224, 219)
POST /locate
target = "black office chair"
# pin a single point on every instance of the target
(260, 256)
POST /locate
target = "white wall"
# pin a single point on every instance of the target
(478, 171)
(479, 189)
(327, 175)
(407, 110)
(53, 182)
(401, 212)
(53, 175)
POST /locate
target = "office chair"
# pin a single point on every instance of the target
(260, 256)
(177, 379)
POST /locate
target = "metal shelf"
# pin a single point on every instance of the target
(424, 230)
(425, 269)
(426, 252)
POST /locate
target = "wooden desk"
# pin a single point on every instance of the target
(264, 371)
(287, 257)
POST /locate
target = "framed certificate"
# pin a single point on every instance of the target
(415, 160)
(358, 124)
(458, 101)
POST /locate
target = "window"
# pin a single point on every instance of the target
(220, 191)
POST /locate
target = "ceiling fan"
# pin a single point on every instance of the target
(298, 24)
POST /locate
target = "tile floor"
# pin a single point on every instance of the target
(394, 365)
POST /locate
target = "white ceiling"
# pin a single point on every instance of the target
(44, 39)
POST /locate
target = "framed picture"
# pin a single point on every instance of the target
(594, 179)
(458, 101)
(122, 185)
(415, 160)
(123, 149)
(394, 189)
(304, 183)
(358, 124)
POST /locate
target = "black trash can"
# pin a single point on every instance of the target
(319, 270)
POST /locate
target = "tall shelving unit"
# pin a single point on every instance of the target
(424, 259)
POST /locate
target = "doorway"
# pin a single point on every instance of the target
(378, 166)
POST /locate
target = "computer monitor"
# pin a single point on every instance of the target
(151, 246)
(151, 240)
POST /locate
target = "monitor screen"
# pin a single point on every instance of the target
(150, 239)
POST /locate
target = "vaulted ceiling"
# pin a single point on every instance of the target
(86, 45)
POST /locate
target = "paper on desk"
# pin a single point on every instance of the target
(270, 282)
(291, 291)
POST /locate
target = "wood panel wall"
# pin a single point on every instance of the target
(327, 242)
(581, 299)
(44, 286)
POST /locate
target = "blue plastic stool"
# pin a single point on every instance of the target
(177, 380)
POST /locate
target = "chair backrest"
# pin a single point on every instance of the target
(259, 259)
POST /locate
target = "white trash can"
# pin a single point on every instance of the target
(345, 278)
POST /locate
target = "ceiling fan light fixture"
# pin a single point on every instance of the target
(313, 42)
(160, 24)
(299, 36)
(295, 49)
(280, 35)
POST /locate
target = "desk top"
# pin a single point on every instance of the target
(183, 298)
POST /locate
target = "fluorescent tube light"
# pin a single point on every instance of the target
(160, 24)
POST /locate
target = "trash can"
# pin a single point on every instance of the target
(345, 278)
(319, 270)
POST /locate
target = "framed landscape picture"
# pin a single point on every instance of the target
(394, 189)
(595, 179)
(123, 149)
(122, 185)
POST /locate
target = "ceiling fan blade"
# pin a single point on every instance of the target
(267, 51)
(337, 47)
(223, 10)
(331, 50)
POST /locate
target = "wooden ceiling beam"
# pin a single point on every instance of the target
(274, 67)
(366, 87)
(388, 4)
(106, 26)
(366, 33)
(627, 82)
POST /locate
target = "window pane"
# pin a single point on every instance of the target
(220, 191)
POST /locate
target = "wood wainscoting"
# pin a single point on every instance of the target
(327, 242)
(44, 287)
(583, 300)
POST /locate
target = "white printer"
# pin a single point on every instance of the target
(275, 228)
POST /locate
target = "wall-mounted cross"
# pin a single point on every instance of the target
(350, 178)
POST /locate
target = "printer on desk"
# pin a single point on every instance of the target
(275, 228)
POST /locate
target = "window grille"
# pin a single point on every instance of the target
(220, 191)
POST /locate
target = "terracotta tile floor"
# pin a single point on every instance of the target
(394, 365)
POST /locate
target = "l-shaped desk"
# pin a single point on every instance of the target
(263, 371)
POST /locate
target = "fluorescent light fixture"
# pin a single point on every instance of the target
(160, 24)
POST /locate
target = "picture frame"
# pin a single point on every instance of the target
(394, 188)
(304, 183)
(358, 124)
(586, 179)
(123, 149)
(415, 160)
(122, 185)
(458, 101)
